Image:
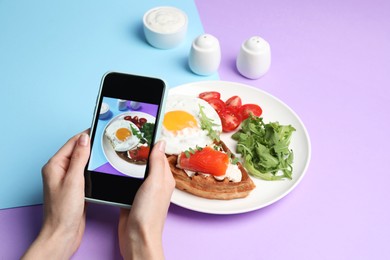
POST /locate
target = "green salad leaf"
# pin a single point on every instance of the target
(147, 130)
(145, 134)
(265, 148)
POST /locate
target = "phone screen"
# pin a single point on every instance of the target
(123, 137)
(123, 132)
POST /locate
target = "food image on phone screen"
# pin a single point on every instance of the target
(123, 137)
(125, 126)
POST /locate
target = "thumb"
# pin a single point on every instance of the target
(80, 155)
(160, 171)
(157, 159)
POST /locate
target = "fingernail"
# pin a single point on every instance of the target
(83, 140)
(161, 146)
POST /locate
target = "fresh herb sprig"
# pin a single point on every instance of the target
(136, 132)
(207, 124)
(192, 151)
(233, 159)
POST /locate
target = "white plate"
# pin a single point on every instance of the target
(266, 192)
(130, 169)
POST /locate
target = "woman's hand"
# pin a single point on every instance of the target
(64, 206)
(140, 229)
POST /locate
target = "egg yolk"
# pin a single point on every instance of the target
(122, 134)
(178, 120)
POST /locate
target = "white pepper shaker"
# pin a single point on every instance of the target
(205, 55)
(254, 58)
(135, 105)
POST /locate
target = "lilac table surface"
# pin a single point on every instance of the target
(329, 60)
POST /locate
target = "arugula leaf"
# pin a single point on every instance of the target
(190, 151)
(136, 132)
(207, 124)
(265, 148)
(144, 134)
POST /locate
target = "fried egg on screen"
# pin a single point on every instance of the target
(121, 136)
(181, 128)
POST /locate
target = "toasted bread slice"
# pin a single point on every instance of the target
(207, 186)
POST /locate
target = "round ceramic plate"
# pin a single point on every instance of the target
(266, 192)
(130, 169)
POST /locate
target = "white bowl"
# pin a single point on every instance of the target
(165, 27)
(104, 111)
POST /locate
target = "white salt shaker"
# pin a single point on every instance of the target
(254, 58)
(205, 55)
(122, 104)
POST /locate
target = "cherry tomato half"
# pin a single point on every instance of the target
(248, 109)
(217, 104)
(234, 101)
(209, 95)
(230, 119)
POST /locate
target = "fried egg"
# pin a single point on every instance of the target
(121, 135)
(181, 127)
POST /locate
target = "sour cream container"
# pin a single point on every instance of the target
(104, 112)
(165, 27)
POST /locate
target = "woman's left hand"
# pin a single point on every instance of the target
(64, 205)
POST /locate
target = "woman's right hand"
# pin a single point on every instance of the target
(140, 229)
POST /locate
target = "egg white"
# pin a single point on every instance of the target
(182, 140)
(118, 145)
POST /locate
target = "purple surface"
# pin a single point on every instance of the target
(330, 61)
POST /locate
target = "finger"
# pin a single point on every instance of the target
(160, 171)
(123, 217)
(79, 156)
(124, 213)
(67, 149)
(157, 159)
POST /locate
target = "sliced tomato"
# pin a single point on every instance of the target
(209, 95)
(248, 109)
(234, 101)
(217, 104)
(230, 119)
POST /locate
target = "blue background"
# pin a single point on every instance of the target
(52, 58)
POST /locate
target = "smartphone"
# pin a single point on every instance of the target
(125, 125)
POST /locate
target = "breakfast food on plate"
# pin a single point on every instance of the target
(211, 173)
(138, 155)
(231, 112)
(185, 126)
(200, 163)
(263, 147)
(120, 134)
(130, 137)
